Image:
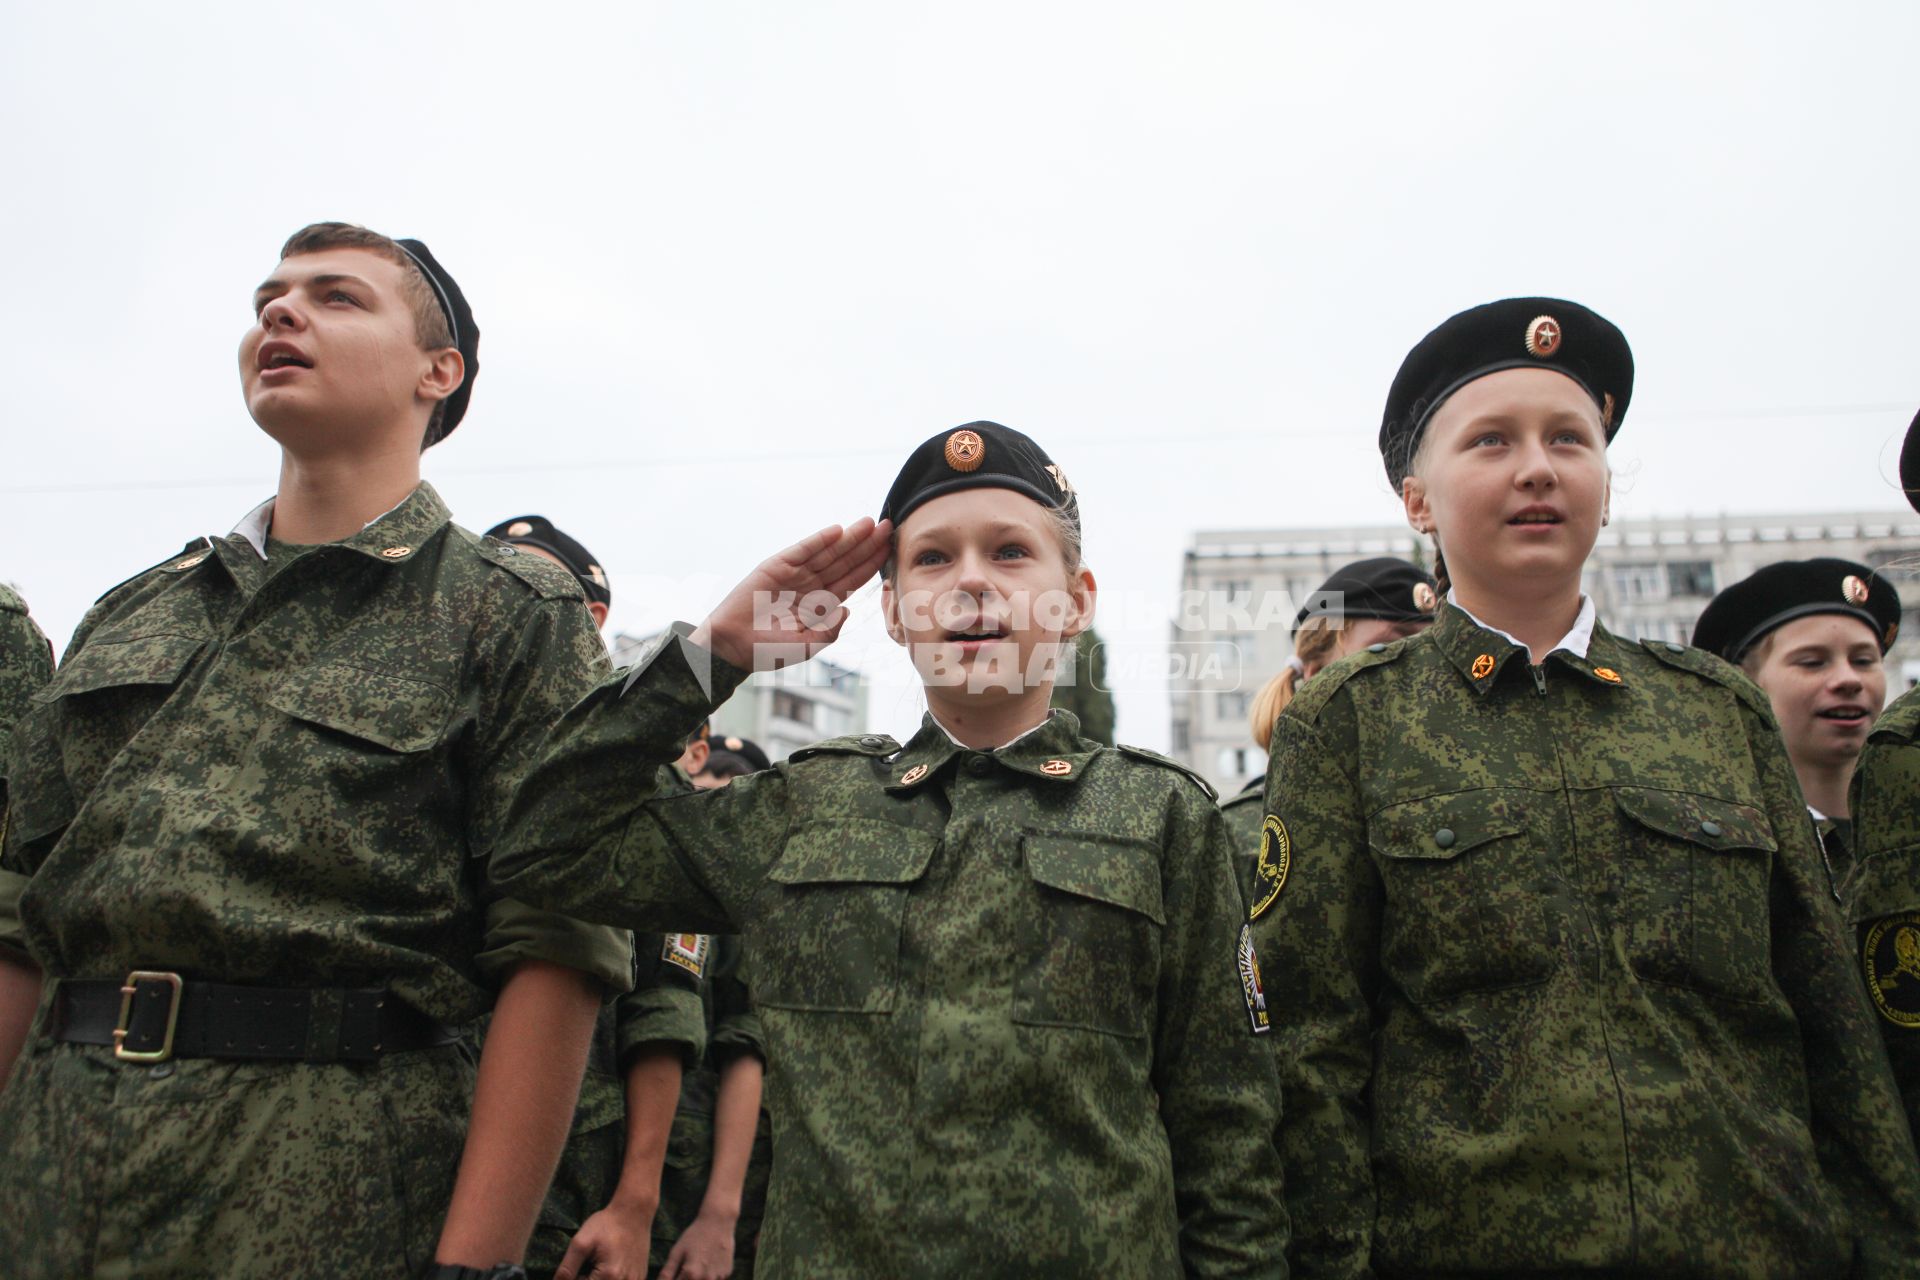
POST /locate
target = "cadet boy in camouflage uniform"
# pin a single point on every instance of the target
(26, 664)
(1010, 1002)
(595, 1217)
(248, 848)
(1565, 989)
(1881, 895)
(1365, 605)
(1814, 635)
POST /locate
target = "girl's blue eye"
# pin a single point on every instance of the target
(1012, 551)
(928, 558)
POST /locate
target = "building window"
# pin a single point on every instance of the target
(787, 706)
(1231, 705)
(1181, 742)
(1236, 590)
(1690, 578)
(1233, 762)
(1636, 582)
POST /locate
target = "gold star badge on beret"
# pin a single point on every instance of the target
(966, 450)
(1424, 598)
(519, 529)
(1854, 588)
(1543, 337)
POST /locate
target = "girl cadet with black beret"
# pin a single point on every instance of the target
(1813, 635)
(1011, 1007)
(1557, 983)
(1364, 604)
(1881, 893)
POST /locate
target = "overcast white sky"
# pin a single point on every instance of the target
(732, 261)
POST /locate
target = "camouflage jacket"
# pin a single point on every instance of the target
(1243, 813)
(1881, 894)
(1565, 984)
(294, 780)
(974, 970)
(26, 664)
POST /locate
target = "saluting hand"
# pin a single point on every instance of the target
(793, 605)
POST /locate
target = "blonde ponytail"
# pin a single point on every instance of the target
(1314, 645)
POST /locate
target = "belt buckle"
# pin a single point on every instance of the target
(121, 1027)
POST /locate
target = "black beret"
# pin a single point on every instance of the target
(745, 748)
(979, 455)
(1379, 588)
(466, 334)
(538, 531)
(1910, 463)
(1514, 333)
(1739, 617)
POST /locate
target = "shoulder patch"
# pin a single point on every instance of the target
(1890, 962)
(1270, 872)
(1168, 762)
(1711, 667)
(547, 579)
(688, 951)
(1247, 961)
(853, 744)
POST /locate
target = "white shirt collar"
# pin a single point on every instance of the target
(1574, 642)
(1003, 746)
(253, 526)
(1817, 815)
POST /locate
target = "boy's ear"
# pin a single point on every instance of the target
(446, 370)
(599, 612)
(890, 613)
(1085, 593)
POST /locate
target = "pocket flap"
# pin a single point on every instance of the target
(854, 852)
(1697, 819)
(1122, 872)
(108, 663)
(1441, 827)
(396, 712)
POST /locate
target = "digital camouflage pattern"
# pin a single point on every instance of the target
(1881, 895)
(1558, 981)
(1243, 812)
(665, 1008)
(733, 1029)
(975, 971)
(290, 779)
(26, 662)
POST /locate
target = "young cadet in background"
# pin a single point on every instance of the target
(1566, 988)
(248, 840)
(26, 664)
(1007, 989)
(1813, 634)
(730, 757)
(1881, 896)
(1365, 605)
(597, 1215)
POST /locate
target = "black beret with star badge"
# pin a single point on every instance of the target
(1742, 615)
(1514, 333)
(466, 334)
(1383, 587)
(1910, 463)
(538, 531)
(979, 455)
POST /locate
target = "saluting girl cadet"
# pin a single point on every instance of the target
(1009, 998)
(1364, 605)
(1565, 989)
(1813, 634)
(1881, 895)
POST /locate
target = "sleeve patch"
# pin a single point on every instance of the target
(689, 951)
(1250, 984)
(1890, 957)
(1270, 872)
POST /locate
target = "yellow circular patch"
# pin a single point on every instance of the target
(1270, 873)
(1890, 959)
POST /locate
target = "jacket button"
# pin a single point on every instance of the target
(1444, 837)
(979, 765)
(1708, 828)
(1376, 648)
(869, 741)
(1675, 648)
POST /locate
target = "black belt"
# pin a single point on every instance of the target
(154, 1016)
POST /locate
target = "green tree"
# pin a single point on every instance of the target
(1082, 688)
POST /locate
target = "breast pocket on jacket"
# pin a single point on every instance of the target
(1096, 962)
(1697, 872)
(361, 730)
(94, 706)
(1468, 895)
(829, 932)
